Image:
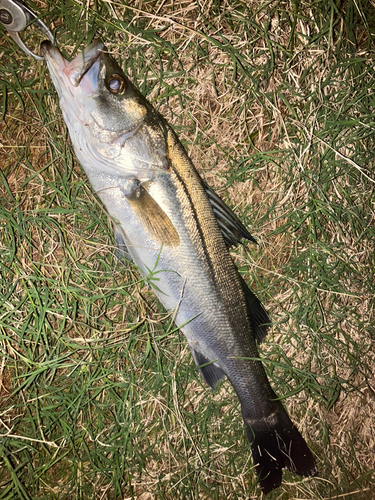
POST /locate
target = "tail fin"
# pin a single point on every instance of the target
(277, 444)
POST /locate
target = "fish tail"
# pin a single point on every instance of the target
(276, 444)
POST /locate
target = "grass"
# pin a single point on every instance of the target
(99, 397)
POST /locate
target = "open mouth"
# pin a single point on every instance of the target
(81, 64)
(81, 72)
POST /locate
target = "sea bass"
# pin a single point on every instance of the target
(167, 220)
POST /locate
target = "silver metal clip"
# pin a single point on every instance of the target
(15, 17)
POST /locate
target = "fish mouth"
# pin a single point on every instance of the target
(80, 75)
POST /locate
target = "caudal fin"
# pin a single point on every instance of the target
(276, 444)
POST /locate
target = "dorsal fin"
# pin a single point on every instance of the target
(259, 318)
(230, 225)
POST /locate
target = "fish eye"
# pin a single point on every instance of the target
(116, 84)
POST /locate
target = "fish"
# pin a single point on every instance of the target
(167, 219)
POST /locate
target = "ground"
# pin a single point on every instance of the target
(99, 397)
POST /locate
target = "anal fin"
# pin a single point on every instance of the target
(210, 372)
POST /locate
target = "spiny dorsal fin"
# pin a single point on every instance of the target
(230, 225)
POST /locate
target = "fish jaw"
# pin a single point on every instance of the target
(77, 101)
(75, 81)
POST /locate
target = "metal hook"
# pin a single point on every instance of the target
(15, 17)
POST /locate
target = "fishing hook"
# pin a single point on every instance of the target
(16, 17)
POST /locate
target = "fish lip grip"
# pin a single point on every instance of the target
(16, 17)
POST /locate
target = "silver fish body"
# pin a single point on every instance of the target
(172, 224)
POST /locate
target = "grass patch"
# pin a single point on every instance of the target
(99, 397)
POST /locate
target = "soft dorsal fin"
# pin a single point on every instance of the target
(230, 225)
(259, 318)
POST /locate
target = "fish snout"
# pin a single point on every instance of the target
(45, 47)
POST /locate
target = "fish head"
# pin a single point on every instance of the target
(103, 111)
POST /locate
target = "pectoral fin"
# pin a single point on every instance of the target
(153, 217)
